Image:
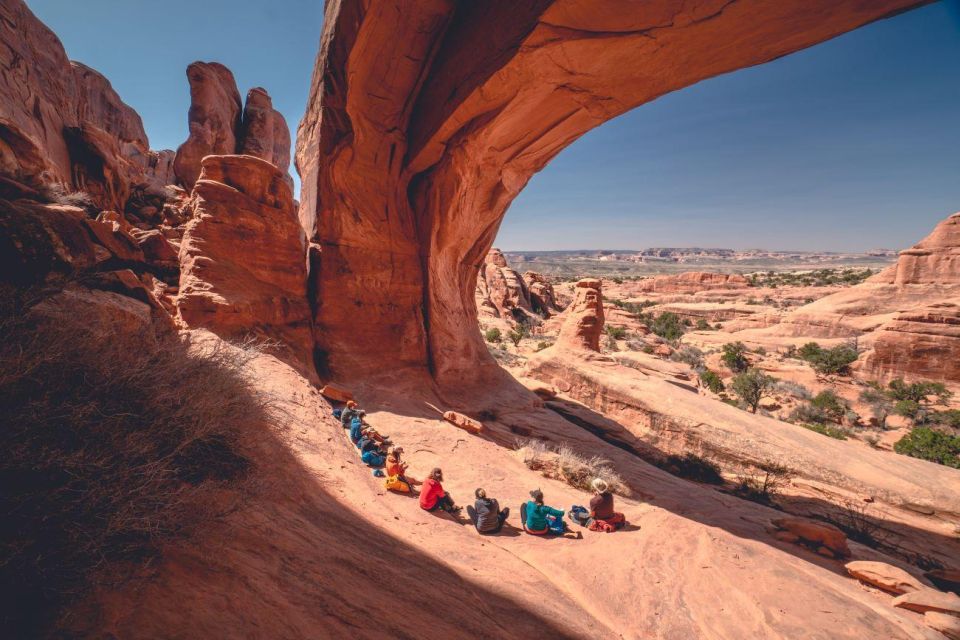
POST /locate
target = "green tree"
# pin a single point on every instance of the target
(832, 405)
(752, 386)
(492, 335)
(711, 381)
(703, 325)
(734, 357)
(518, 333)
(930, 444)
(880, 404)
(668, 326)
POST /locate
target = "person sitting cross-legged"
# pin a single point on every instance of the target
(486, 514)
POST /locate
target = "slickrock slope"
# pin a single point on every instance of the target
(322, 551)
(243, 256)
(408, 168)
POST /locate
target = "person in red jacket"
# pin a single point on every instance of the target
(433, 497)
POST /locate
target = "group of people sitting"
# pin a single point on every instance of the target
(487, 517)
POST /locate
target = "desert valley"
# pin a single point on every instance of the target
(182, 331)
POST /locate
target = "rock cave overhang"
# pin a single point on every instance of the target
(449, 109)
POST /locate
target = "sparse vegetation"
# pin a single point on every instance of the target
(763, 485)
(58, 194)
(116, 443)
(712, 381)
(734, 357)
(617, 333)
(688, 355)
(703, 325)
(518, 333)
(816, 278)
(912, 401)
(563, 463)
(492, 335)
(828, 430)
(930, 444)
(828, 361)
(752, 386)
(667, 325)
(794, 389)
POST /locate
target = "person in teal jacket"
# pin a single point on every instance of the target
(538, 518)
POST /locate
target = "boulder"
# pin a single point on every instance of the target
(156, 248)
(335, 392)
(948, 625)
(116, 238)
(929, 600)
(243, 257)
(39, 240)
(583, 319)
(214, 119)
(816, 534)
(884, 576)
(463, 422)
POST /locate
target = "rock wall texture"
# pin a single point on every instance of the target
(220, 124)
(243, 256)
(426, 119)
(501, 291)
(922, 344)
(61, 123)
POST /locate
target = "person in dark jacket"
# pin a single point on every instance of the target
(486, 514)
(350, 412)
(601, 506)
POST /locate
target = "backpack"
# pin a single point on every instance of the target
(337, 413)
(580, 515)
(396, 483)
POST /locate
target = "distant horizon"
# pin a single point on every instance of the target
(769, 250)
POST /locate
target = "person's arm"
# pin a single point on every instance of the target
(554, 512)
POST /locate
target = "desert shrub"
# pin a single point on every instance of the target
(647, 348)
(693, 467)
(949, 418)
(667, 325)
(492, 335)
(828, 361)
(794, 389)
(518, 333)
(872, 439)
(617, 333)
(115, 443)
(832, 405)
(880, 404)
(752, 386)
(688, 355)
(711, 381)
(503, 356)
(703, 325)
(563, 463)
(765, 483)
(542, 345)
(827, 430)
(734, 357)
(929, 444)
(760, 351)
(908, 409)
(854, 519)
(918, 391)
(611, 344)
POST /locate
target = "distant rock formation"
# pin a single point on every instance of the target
(543, 299)
(243, 256)
(221, 125)
(501, 292)
(583, 322)
(692, 282)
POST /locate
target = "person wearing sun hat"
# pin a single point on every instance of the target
(601, 507)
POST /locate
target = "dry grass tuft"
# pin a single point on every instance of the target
(115, 442)
(563, 463)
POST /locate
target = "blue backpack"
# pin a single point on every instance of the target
(337, 413)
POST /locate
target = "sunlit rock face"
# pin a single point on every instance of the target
(426, 119)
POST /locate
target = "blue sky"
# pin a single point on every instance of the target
(852, 144)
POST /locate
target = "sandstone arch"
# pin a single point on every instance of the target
(427, 118)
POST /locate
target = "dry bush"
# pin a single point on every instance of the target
(563, 463)
(114, 443)
(765, 483)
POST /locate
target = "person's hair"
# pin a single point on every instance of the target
(537, 496)
(351, 404)
(480, 493)
(436, 473)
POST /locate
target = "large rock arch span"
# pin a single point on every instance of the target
(427, 118)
